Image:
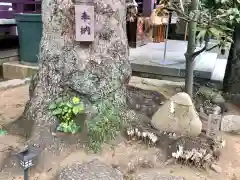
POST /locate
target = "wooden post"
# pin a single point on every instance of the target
(158, 33)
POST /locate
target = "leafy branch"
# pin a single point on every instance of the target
(214, 18)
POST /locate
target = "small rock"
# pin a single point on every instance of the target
(93, 170)
(218, 99)
(230, 123)
(184, 120)
(198, 174)
(216, 168)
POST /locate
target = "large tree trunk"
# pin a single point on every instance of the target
(94, 72)
(231, 81)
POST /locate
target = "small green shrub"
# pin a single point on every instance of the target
(66, 110)
(71, 127)
(103, 127)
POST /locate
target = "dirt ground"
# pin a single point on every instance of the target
(127, 156)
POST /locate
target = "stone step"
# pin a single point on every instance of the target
(16, 70)
(7, 55)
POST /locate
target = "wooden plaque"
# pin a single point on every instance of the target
(84, 18)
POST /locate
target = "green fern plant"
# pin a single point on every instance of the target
(104, 127)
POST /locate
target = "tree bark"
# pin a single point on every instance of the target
(192, 27)
(231, 81)
(189, 76)
(94, 72)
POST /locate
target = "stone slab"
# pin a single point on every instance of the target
(220, 67)
(230, 123)
(11, 83)
(148, 58)
(15, 70)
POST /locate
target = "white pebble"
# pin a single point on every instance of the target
(154, 140)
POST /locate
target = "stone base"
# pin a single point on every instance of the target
(15, 70)
(201, 81)
(209, 66)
